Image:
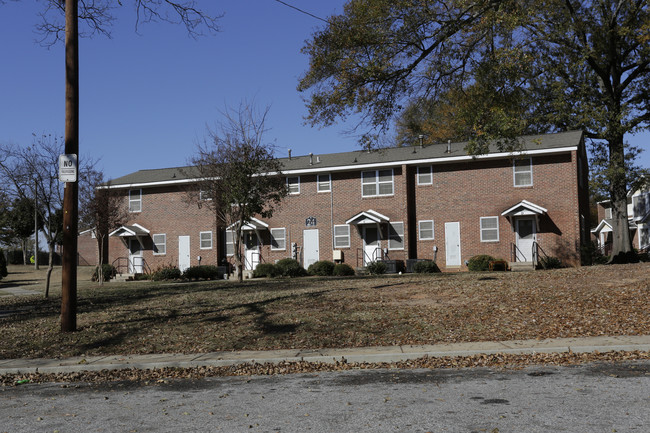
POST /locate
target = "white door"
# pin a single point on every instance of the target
(371, 248)
(135, 257)
(183, 252)
(310, 247)
(526, 235)
(251, 251)
(452, 244)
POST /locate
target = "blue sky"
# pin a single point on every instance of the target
(147, 98)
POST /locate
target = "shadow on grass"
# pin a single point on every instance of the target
(130, 312)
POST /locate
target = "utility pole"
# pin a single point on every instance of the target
(36, 223)
(71, 192)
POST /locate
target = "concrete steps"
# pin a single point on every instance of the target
(521, 266)
(120, 278)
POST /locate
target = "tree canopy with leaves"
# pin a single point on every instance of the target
(566, 64)
(239, 178)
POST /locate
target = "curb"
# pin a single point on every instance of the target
(386, 354)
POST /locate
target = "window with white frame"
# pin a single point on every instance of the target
(204, 195)
(425, 229)
(523, 171)
(640, 205)
(425, 175)
(293, 185)
(205, 240)
(342, 236)
(376, 183)
(135, 200)
(279, 239)
(159, 244)
(396, 236)
(644, 237)
(490, 229)
(608, 213)
(324, 182)
(230, 242)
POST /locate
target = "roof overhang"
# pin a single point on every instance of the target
(252, 224)
(368, 217)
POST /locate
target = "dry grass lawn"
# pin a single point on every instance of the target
(192, 317)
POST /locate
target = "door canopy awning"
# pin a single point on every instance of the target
(131, 231)
(253, 224)
(606, 226)
(368, 217)
(524, 208)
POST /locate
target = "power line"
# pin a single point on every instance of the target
(302, 11)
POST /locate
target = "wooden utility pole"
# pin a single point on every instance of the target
(36, 223)
(71, 192)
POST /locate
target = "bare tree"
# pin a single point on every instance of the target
(61, 17)
(38, 164)
(238, 173)
(101, 210)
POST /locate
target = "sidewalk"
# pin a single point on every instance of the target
(363, 354)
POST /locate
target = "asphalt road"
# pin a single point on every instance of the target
(590, 398)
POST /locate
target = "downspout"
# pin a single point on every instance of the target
(331, 211)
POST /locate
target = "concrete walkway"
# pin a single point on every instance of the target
(16, 291)
(366, 354)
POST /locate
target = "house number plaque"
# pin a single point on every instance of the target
(310, 222)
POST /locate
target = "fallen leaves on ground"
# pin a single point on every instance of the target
(164, 375)
(311, 313)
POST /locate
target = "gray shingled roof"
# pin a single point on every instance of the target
(349, 160)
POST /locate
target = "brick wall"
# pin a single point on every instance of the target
(461, 192)
(168, 210)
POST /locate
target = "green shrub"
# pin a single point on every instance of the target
(342, 270)
(550, 263)
(108, 272)
(376, 268)
(3, 265)
(426, 267)
(166, 273)
(265, 270)
(206, 272)
(322, 268)
(290, 268)
(480, 262)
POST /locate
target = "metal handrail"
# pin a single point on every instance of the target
(129, 265)
(249, 265)
(536, 250)
(514, 249)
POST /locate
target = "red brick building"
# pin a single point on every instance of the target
(432, 202)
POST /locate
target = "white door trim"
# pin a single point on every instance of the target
(183, 252)
(452, 244)
(371, 253)
(251, 255)
(310, 247)
(525, 246)
(135, 257)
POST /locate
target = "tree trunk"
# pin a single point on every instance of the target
(49, 268)
(23, 246)
(238, 260)
(622, 251)
(100, 259)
